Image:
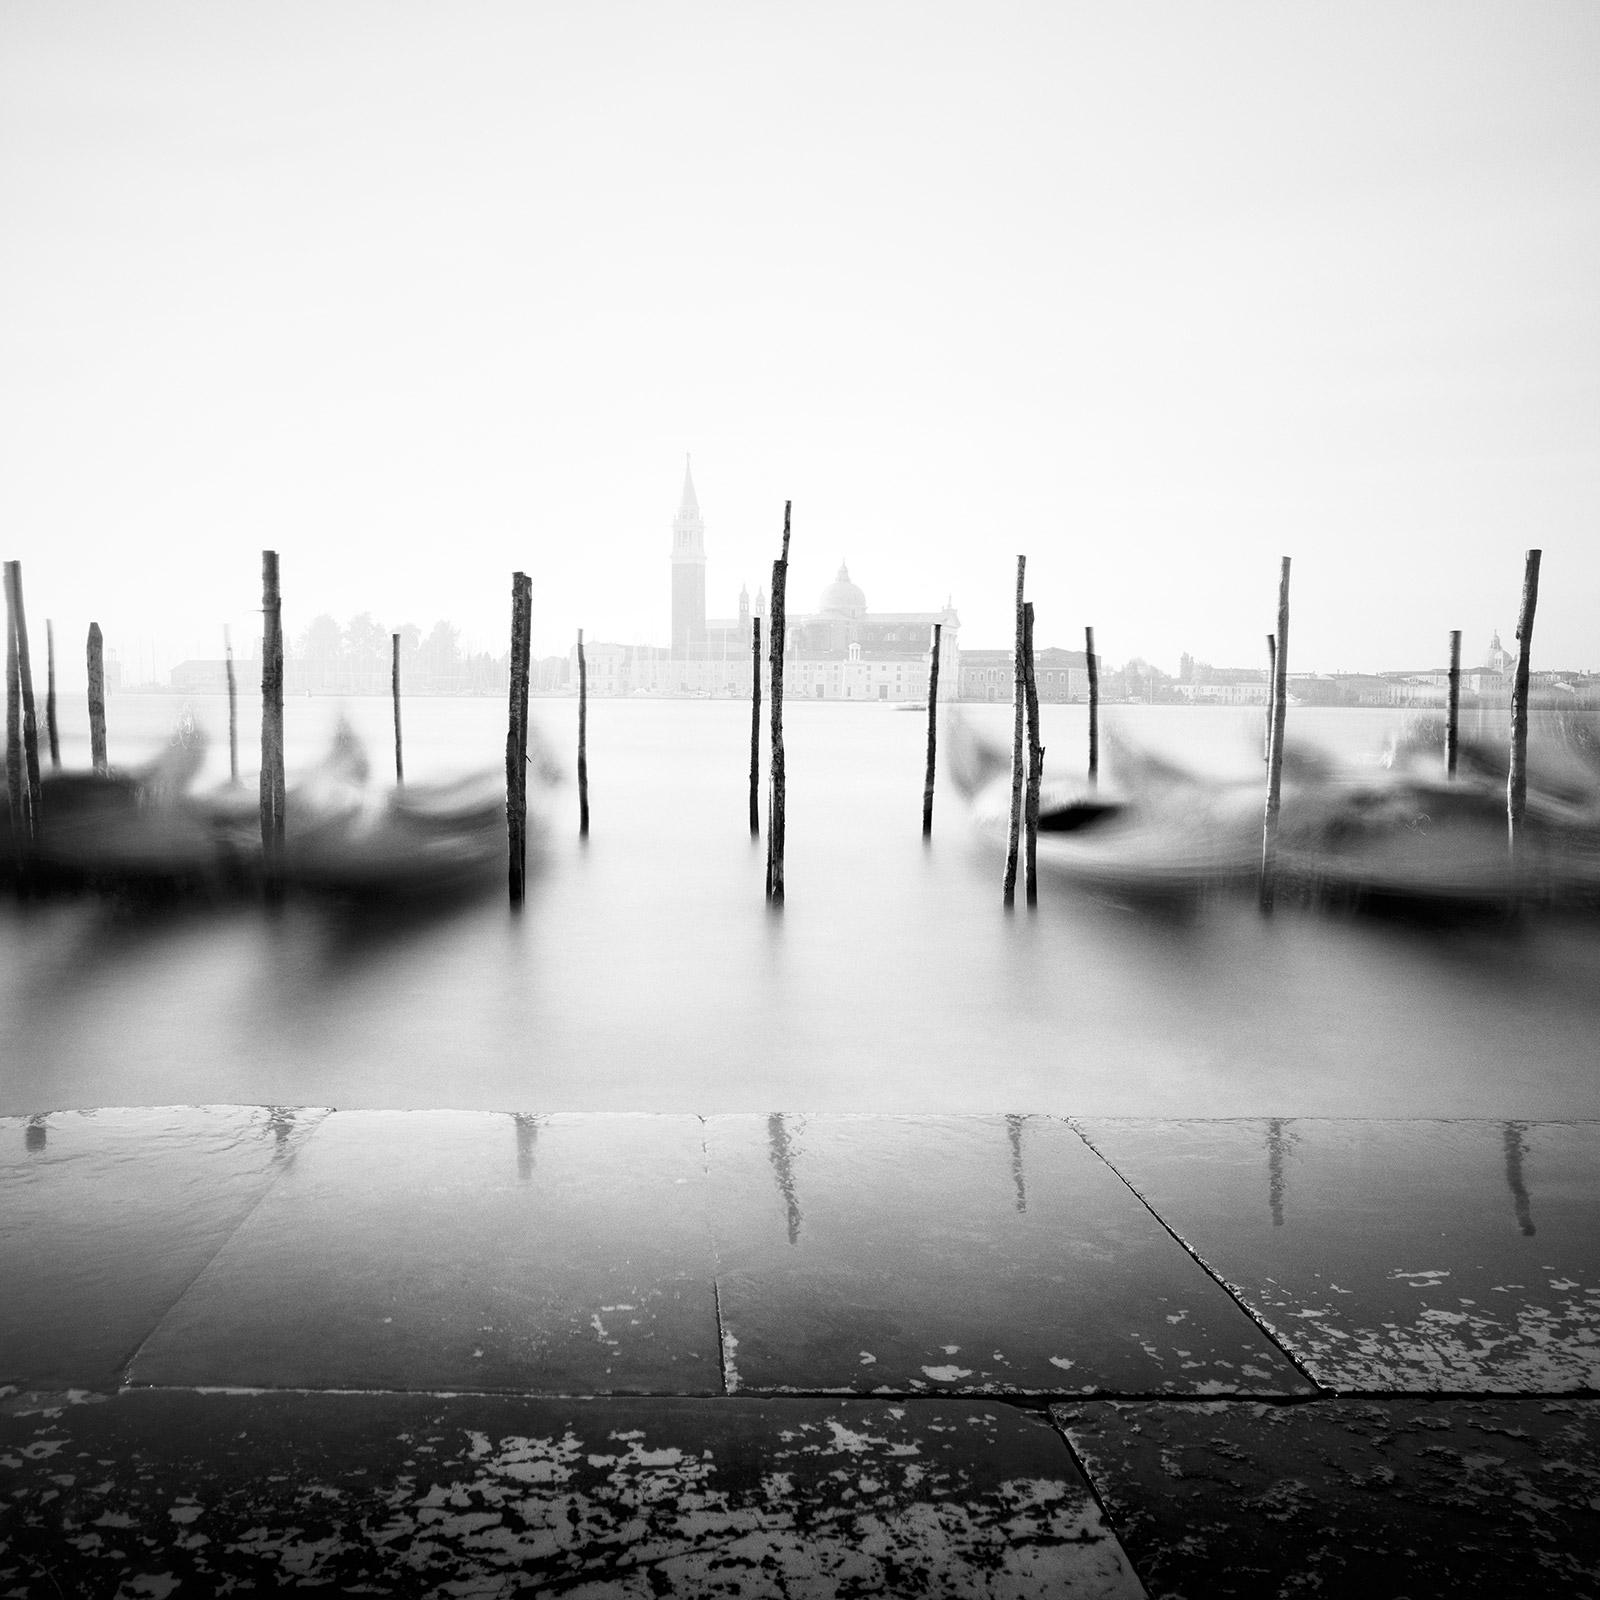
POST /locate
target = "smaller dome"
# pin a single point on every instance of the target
(842, 598)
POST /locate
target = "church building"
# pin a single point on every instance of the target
(844, 651)
(840, 651)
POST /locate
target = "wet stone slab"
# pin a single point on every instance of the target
(1413, 1496)
(107, 1216)
(962, 1255)
(1429, 1256)
(423, 1250)
(178, 1493)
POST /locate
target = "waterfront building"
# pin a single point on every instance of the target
(845, 651)
(1061, 675)
(842, 650)
(203, 676)
(1200, 683)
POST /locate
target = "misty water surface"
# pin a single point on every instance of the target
(647, 973)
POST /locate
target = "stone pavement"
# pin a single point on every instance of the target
(264, 1349)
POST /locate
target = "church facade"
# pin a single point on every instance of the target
(840, 651)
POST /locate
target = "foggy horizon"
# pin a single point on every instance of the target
(145, 663)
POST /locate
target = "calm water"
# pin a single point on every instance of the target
(646, 972)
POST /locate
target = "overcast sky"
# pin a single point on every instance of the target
(1155, 293)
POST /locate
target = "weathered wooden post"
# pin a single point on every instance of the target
(933, 731)
(233, 705)
(1018, 771)
(1094, 706)
(1272, 690)
(50, 693)
(1452, 725)
(97, 700)
(583, 741)
(776, 798)
(517, 736)
(394, 689)
(16, 786)
(30, 723)
(1280, 683)
(1030, 810)
(273, 792)
(1517, 775)
(755, 727)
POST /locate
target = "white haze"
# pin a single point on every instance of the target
(1155, 293)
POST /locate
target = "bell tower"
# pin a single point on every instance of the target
(688, 572)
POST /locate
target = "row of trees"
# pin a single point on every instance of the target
(357, 659)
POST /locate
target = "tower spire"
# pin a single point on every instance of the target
(689, 506)
(688, 571)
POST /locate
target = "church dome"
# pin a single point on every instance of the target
(842, 598)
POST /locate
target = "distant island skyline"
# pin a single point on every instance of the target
(327, 658)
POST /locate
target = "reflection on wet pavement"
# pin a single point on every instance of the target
(966, 1255)
(783, 1165)
(527, 1145)
(1392, 1255)
(799, 1253)
(431, 1250)
(1516, 1149)
(1280, 1140)
(107, 1216)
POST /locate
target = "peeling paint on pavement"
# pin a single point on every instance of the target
(1400, 1496)
(193, 1494)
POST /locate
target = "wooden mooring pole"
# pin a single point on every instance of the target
(273, 792)
(394, 689)
(1517, 773)
(1094, 706)
(1018, 768)
(233, 705)
(583, 741)
(51, 731)
(1452, 725)
(30, 723)
(777, 795)
(1030, 809)
(517, 736)
(1272, 690)
(97, 700)
(755, 727)
(1280, 682)
(16, 785)
(933, 731)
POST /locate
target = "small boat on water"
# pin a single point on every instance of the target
(151, 831)
(1396, 835)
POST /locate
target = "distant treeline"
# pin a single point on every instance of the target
(356, 659)
(325, 658)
